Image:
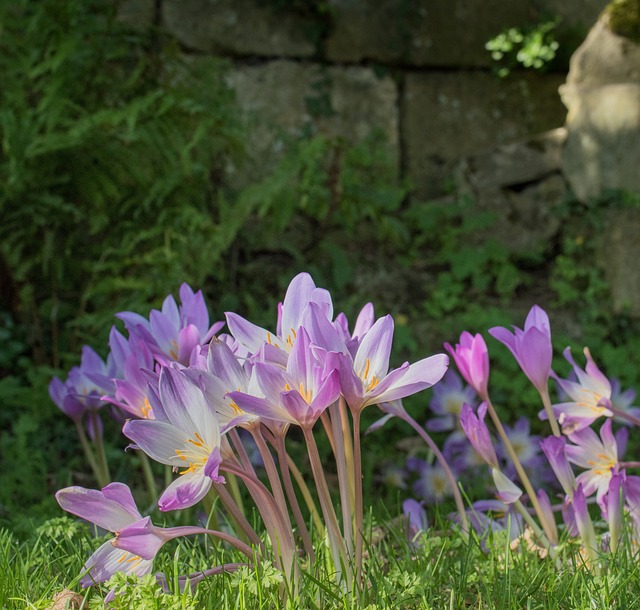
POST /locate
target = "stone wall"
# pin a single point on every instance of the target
(415, 70)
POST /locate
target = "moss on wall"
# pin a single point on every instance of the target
(624, 18)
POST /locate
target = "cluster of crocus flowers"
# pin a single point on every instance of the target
(185, 390)
(586, 397)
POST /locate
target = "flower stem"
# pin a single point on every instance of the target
(99, 445)
(358, 505)
(277, 525)
(306, 494)
(91, 458)
(522, 475)
(338, 549)
(553, 422)
(272, 471)
(237, 514)
(339, 434)
(152, 488)
(293, 500)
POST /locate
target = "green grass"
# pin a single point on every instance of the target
(444, 572)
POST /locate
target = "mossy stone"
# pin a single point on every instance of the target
(624, 18)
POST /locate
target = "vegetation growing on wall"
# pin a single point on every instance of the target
(624, 18)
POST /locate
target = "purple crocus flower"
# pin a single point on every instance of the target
(583, 523)
(301, 291)
(632, 497)
(416, 517)
(221, 374)
(554, 447)
(448, 397)
(590, 394)
(432, 484)
(472, 359)
(80, 392)
(531, 347)
(478, 433)
(133, 391)
(507, 491)
(615, 508)
(623, 401)
(174, 334)
(185, 434)
(137, 540)
(460, 454)
(297, 395)
(364, 322)
(366, 380)
(488, 516)
(599, 456)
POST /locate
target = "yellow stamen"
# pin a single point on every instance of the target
(374, 382)
(366, 370)
(192, 468)
(306, 394)
(289, 339)
(146, 408)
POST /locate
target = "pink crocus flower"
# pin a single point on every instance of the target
(184, 434)
(554, 448)
(301, 291)
(531, 347)
(590, 396)
(223, 373)
(298, 394)
(448, 397)
(174, 334)
(472, 359)
(479, 437)
(132, 392)
(478, 433)
(583, 523)
(597, 455)
(366, 380)
(82, 391)
(137, 540)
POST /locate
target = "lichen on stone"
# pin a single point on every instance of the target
(624, 18)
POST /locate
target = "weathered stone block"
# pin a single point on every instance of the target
(602, 96)
(420, 33)
(285, 98)
(603, 147)
(446, 116)
(604, 58)
(237, 27)
(440, 33)
(519, 184)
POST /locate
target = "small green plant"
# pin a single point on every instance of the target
(529, 47)
(143, 593)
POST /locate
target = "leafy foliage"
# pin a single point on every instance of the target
(108, 144)
(530, 47)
